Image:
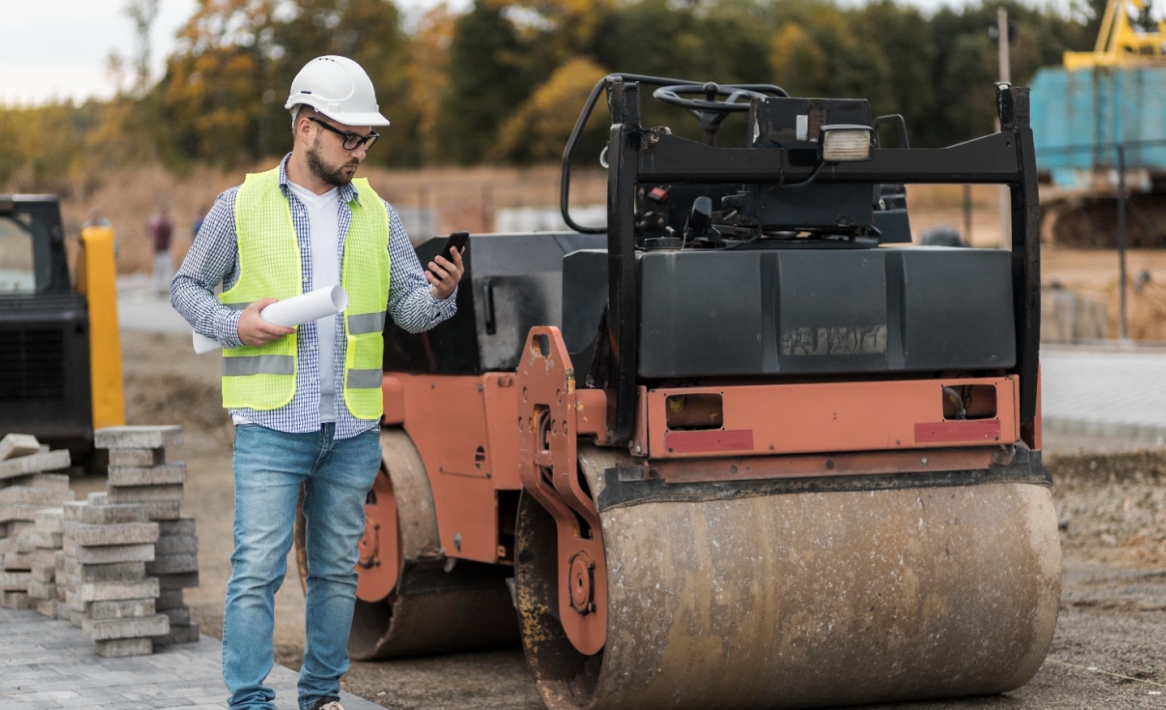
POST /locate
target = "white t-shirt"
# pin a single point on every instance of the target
(324, 228)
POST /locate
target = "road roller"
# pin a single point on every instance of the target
(742, 446)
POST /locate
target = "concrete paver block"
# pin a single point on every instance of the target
(138, 437)
(115, 534)
(121, 608)
(163, 474)
(60, 481)
(178, 635)
(32, 494)
(18, 561)
(25, 543)
(74, 602)
(172, 564)
(14, 581)
(179, 616)
(144, 494)
(169, 599)
(13, 445)
(137, 457)
(18, 511)
(17, 601)
(90, 514)
(122, 648)
(109, 554)
(127, 628)
(115, 572)
(162, 510)
(113, 591)
(178, 581)
(45, 539)
(50, 519)
(18, 527)
(44, 573)
(36, 463)
(176, 544)
(181, 526)
(41, 590)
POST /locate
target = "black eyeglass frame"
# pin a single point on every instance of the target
(366, 141)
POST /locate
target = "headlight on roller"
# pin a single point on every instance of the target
(844, 143)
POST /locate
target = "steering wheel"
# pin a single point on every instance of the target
(709, 111)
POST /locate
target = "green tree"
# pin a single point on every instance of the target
(539, 129)
(489, 77)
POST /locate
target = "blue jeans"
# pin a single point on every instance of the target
(270, 466)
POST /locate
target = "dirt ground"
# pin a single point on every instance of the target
(1110, 496)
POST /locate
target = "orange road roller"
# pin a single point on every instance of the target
(744, 446)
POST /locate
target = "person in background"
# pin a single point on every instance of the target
(160, 229)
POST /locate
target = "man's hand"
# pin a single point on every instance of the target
(255, 331)
(444, 276)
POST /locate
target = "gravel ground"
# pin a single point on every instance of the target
(1110, 499)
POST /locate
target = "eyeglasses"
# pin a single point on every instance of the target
(352, 141)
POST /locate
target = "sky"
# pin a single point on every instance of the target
(58, 49)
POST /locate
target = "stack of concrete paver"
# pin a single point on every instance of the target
(140, 475)
(47, 536)
(103, 571)
(26, 487)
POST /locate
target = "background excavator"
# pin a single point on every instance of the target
(732, 449)
(60, 349)
(1083, 111)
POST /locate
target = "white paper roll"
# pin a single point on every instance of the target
(289, 313)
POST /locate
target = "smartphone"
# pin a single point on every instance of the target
(457, 240)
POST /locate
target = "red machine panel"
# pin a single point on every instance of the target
(466, 458)
(834, 416)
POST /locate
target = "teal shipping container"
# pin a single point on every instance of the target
(1098, 108)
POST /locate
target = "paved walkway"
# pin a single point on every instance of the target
(1104, 392)
(46, 663)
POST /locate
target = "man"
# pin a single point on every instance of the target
(160, 229)
(306, 401)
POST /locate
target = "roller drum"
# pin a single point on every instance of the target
(806, 600)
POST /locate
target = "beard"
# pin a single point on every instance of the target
(333, 176)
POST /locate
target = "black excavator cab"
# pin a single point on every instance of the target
(44, 329)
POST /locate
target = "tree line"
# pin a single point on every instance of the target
(504, 81)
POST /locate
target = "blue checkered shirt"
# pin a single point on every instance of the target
(214, 259)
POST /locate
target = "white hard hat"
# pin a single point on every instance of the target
(338, 88)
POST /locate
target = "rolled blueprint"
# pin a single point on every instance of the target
(291, 312)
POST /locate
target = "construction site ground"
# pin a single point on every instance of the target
(1111, 500)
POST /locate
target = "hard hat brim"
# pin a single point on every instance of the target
(373, 118)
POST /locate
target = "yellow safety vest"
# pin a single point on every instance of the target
(264, 378)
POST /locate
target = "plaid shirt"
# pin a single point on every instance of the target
(213, 259)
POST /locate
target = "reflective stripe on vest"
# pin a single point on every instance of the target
(363, 379)
(366, 323)
(259, 365)
(270, 266)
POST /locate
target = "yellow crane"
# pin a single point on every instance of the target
(1119, 42)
